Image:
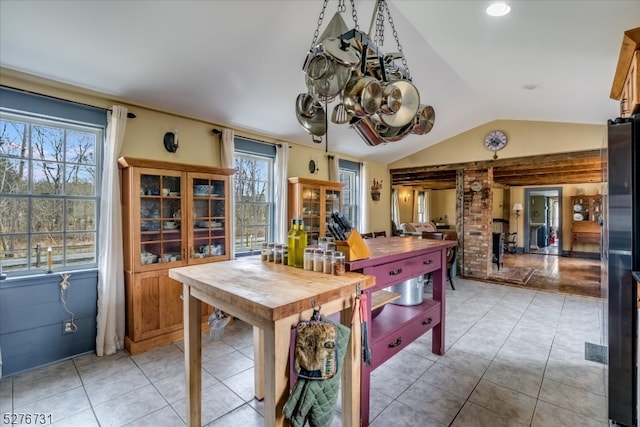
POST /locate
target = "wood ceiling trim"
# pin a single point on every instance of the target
(568, 168)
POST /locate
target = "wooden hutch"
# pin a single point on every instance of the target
(173, 215)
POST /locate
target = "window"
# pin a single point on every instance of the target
(349, 173)
(423, 200)
(49, 176)
(254, 200)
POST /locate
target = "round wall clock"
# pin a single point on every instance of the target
(476, 186)
(495, 141)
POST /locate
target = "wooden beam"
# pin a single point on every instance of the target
(560, 168)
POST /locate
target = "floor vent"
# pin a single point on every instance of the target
(595, 352)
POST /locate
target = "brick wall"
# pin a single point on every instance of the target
(477, 218)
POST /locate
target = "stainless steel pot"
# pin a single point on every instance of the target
(411, 291)
(327, 73)
(367, 131)
(311, 115)
(362, 96)
(393, 134)
(424, 120)
(408, 108)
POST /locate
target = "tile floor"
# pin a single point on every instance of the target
(515, 357)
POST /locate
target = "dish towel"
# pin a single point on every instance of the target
(315, 400)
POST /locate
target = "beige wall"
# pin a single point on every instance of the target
(526, 138)
(198, 145)
(443, 203)
(568, 190)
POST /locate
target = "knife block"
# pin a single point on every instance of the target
(354, 247)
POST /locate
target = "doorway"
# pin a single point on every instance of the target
(543, 220)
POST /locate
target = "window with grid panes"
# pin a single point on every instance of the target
(49, 181)
(349, 174)
(254, 191)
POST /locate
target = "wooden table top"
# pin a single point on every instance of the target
(389, 249)
(270, 291)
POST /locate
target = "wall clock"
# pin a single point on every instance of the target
(495, 141)
(476, 186)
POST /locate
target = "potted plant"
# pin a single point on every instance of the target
(375, 189)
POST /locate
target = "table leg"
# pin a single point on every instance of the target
(351, 371)
(192, 357)
(439, 294)
(258, 363)
(276, 378)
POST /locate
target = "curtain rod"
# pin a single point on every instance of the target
(129, 115)
(217, 131)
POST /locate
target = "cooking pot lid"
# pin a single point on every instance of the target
(409, 107)
(318, 67)
(341, 51)
(424, 120)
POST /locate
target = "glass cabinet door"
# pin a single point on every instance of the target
(311, 213)
(208, 211)
(160, 222)
(332, 202)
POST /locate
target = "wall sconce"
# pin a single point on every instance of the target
(406, 197)
(375, 189)
(517, 208)
(171, 142)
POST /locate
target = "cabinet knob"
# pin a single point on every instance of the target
(428, 262)
(396, 343)
(428, 321)
(395, 272)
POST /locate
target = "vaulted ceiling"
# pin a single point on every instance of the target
(238, 63)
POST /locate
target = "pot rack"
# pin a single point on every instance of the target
(372, 62)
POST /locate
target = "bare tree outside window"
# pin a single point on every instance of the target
(253, 201)
(48, 197)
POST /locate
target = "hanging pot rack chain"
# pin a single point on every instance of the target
(395, 35)
(366, 43)
(342, 7)
(316, 33)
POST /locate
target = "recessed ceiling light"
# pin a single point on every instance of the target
(498, 9)
(532, 86)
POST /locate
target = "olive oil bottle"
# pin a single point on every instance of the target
(300, 243)
(291, 242)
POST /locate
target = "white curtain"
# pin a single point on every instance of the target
(110, 319)
(364, 197)
(415, 217)
(282, 188)
(228, 161)
(395, 208)
(334, 169)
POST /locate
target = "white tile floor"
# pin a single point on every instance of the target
(515, 357)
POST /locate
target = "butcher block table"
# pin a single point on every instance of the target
(272, 298)
(392, 261)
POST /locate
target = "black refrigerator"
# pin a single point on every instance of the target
(622, 229)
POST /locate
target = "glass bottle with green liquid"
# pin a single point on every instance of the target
(301, 243)
(291, 242)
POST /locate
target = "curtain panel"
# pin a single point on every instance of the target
(227, 158)
(111, 311)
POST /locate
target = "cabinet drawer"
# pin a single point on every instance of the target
(398, 326)
(395, 272)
